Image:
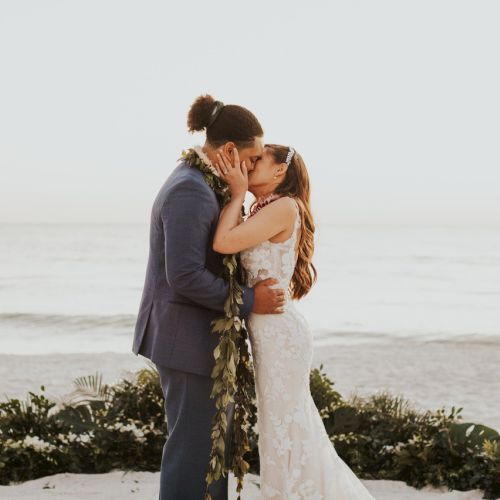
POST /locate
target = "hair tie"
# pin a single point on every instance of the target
(216, 112)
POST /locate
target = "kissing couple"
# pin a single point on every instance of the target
(212, 269)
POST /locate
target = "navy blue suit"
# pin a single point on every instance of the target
(182, 294)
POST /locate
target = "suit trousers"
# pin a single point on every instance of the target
(189, 411)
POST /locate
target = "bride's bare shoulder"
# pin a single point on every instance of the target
(286, 205)
(289, 201)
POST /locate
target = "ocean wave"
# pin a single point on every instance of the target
(66, 320)
(27, 326)
(348, 336)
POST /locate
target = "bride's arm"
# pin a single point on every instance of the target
(231, 236)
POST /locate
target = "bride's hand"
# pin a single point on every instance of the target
(234, 173)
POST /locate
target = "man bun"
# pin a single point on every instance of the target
(223, 122)
(200, 113)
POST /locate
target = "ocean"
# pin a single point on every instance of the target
(77, 288)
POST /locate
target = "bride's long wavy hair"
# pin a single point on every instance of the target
(296, 184)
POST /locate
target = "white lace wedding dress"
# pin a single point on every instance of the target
(297, 459)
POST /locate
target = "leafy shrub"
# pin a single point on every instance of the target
(99, 428)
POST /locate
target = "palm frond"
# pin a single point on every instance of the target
(89, 388)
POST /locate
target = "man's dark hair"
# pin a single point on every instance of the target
(232, 122)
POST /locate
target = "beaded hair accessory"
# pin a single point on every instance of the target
(289, 156)
(216, 112)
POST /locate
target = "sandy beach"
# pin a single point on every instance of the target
(117, 485)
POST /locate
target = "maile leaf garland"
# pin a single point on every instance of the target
(233, 374)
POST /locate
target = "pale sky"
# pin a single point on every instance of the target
(394, 105)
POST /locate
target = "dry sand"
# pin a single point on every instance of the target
(118, 485)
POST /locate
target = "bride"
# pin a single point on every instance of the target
(297, 459)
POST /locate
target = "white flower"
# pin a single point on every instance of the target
(37, 444)
(72, 437)
(131, 428)
(206, 159)
(84, 438)
(63, 438)
(10, 443)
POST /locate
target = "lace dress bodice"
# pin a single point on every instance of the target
(273, 260)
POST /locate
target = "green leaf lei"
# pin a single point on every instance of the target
(233, 373)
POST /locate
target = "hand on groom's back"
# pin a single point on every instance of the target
(268, 300)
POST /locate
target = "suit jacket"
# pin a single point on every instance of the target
(183, 292)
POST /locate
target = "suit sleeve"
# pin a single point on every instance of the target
(187, 221)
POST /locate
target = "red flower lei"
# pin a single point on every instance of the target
(262, 202)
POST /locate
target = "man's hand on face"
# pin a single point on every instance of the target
(268, 300)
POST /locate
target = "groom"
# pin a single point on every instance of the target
(183, 293)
